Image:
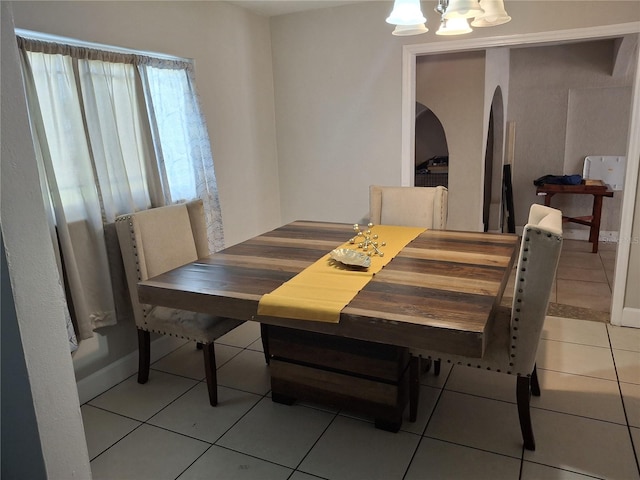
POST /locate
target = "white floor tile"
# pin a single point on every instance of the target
(192, 416)
(575, 331)
(592, 295)
(579, 395)
(352, 449)
(577, 359)
(582, 445)
(102, 429)
(631, 399)
(627, 365)
(141, 402)
(436, 459)
(148, 453)
(246, 371)
(535, 471)
(482, 383)
(476, 422)
(221, 463)
(624, 338)
(188, 361)
(277, 433)
(241, 336)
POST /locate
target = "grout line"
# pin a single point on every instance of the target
(624, 408)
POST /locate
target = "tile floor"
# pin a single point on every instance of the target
(584, 282)
(586, 422)
(585, 279)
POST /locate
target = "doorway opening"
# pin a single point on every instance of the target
(431, 150)
(492, 206)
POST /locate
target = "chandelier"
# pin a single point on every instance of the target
(454, 16)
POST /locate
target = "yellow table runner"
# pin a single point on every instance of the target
(323, 289)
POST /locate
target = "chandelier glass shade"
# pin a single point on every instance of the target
(406, 12)
(405, 30)
(494, 14)
(462, 9)
(455, 16)
(454, 26)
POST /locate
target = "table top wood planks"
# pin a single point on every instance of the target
(438, 293)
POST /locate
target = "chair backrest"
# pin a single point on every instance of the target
(536, 270)
(157, 240)
(408, 206)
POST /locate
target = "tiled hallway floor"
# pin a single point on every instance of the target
(586, 422)
(584, 282)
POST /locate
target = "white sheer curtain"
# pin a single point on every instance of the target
(92, 126)
(181, 142)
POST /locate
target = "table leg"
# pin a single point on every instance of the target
(594, 231)
(282, 398)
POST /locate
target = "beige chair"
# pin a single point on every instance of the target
(153, 242)
(408, 206)
(514, 334)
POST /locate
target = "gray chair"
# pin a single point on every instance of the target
(514, 333)
(408, 206)
(153, 242)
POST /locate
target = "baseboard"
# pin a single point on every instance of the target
(583, 234)
(631, 317)
(114, 373)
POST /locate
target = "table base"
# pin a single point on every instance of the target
(362, 377)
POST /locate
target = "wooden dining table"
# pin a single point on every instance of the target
(439, 293)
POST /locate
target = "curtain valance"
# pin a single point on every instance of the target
(90, 53)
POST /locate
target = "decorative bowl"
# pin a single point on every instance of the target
(351, 257)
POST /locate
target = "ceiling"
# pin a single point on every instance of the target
(270, 8)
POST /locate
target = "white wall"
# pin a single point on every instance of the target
(37, 293)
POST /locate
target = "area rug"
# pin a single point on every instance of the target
(569, 311)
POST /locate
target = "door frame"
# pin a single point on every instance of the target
(619, 314)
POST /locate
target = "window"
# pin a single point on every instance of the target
(117, 132)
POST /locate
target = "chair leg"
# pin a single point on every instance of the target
(436, 367)
(144, 355)
(264, 334)
(210, 370)
(535, 386)
(414, 387)
(523, 395)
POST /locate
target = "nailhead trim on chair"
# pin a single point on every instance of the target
(514, 327)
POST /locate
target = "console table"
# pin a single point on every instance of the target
(592, 221)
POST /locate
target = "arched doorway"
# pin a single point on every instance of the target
(431, 150)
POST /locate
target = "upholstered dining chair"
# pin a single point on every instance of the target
(408, 206)
(514, 334)
(153, 242)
